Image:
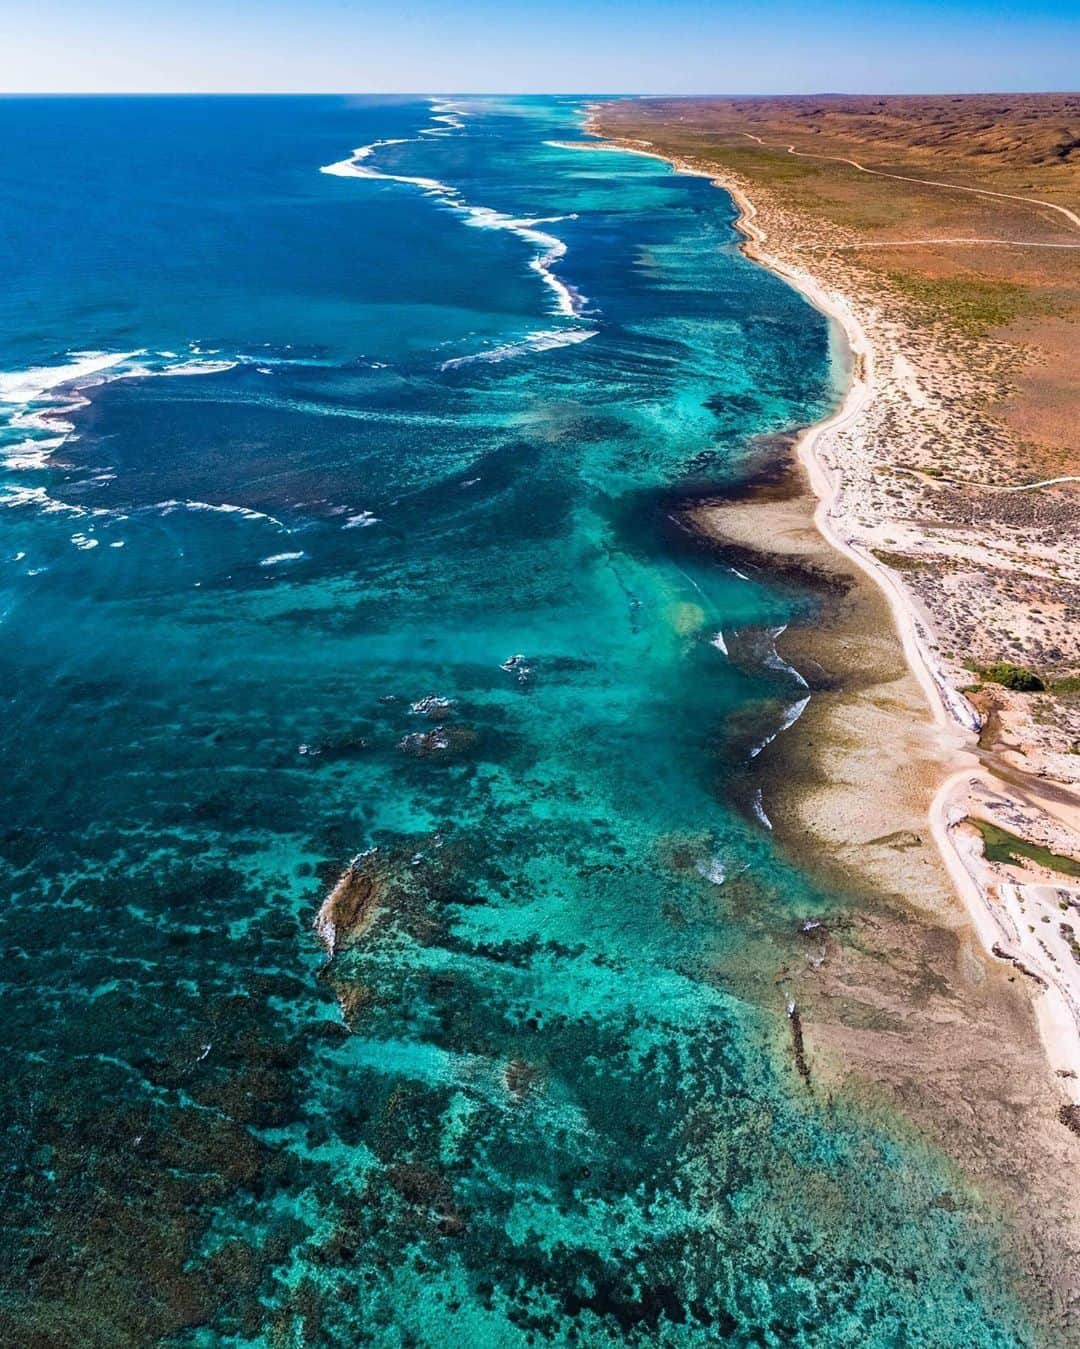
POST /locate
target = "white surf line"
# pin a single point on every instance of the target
(218, 507)
(539, 341)
(687, 575)
(41, 398)
(569, 301)
(19, 387)
(1071, 216)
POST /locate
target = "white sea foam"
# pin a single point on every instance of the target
(41, 398)
(29, 455)
(362, 520)
(713, 870)
(792, 715)
(365, 151)
(281, 557)
(569, 301)
(719, 643)
(759, 810)
(192, 367)
(451, 115)
(220, 507)
(352, 168)
(776, 662)
(794, 712)
(13, 497)
(431, 705)
(539, 341)
(25, 386)
(38, 398)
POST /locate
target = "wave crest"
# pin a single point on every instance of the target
(568, 299)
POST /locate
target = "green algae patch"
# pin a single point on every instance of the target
(1011, 850)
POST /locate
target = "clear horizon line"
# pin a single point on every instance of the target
(517, 93)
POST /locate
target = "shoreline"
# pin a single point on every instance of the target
(975, 881)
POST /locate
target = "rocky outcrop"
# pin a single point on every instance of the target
(351, 907)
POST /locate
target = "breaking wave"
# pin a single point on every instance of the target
(569, 302)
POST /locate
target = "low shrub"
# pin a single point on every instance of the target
(1013, 677)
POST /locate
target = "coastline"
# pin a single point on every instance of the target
(573, 1048)
(987, 892)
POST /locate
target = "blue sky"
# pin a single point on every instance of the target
(634, 46)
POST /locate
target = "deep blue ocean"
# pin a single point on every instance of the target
(339, 519)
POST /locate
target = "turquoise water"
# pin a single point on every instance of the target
(340, 518)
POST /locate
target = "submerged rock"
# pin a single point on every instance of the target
(517, 666)
(441, 740)
(519, 1078)
(797, 1042)
(351, 906)
(354, 999)
(815, 939)
(432, 706)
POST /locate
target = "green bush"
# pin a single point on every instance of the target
(1013, 677)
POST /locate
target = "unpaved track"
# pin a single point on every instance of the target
(1070, 216)
(902, 243)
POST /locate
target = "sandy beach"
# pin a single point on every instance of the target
(1001, 906)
